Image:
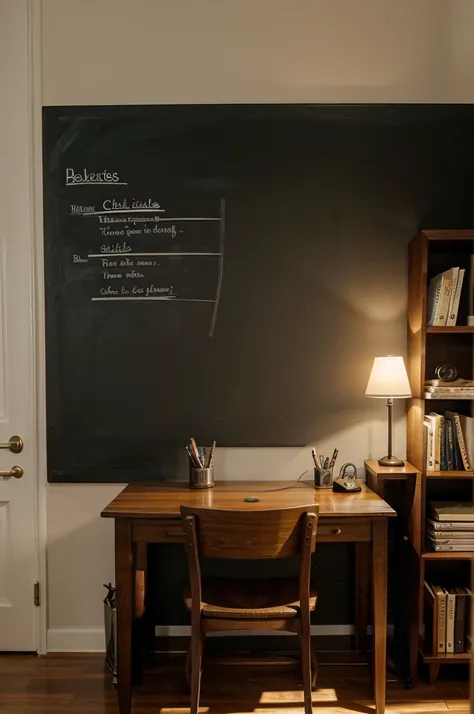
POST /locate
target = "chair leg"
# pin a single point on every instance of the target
(187, 666)
(197, 642)
(314, 664)
(305, 643)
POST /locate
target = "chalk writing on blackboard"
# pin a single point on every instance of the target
(134, 251)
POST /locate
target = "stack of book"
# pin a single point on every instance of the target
(457, 389)
(444, 291)
(449, 628)
(450, 526)
(449, 442)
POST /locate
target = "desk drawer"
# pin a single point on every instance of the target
(151, 530)
(341, 530)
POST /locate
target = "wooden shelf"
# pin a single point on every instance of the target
(455, 329)
(442, 234)
(445, 658)
(449, 474)
(449, 555)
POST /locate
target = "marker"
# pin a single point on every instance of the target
(326, 463)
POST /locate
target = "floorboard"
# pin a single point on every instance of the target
(80, 684)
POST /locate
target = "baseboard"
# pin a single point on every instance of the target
(93, 639)
(76, 640)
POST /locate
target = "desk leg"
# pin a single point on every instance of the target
(124, 583)
(379, 604)
(362, 595)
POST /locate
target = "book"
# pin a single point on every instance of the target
(467, 428)
(428, 429)
(455, 535)
(444, 298)
(456, 419)
(440, 605)
(455, 394)
(452, 548)
(455, 383)
(450, 607)
(436, 428)
(458, 526)
(460, 620)
(451, 510)
(449, 444)
(431, 624)
(433, 298)
(457, 543)
(458, 280)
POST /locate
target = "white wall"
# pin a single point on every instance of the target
(184, 51)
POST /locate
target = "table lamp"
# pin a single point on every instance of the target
(389, 380)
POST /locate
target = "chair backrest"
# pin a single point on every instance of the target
(281, 533)
(251, 534)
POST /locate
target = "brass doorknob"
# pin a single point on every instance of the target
(15, 471)
(15, 444)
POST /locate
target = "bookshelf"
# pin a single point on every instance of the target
(430, 253)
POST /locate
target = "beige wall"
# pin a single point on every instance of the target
(184, 51)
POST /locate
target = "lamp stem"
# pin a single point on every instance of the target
(390, 418)
(390, 459)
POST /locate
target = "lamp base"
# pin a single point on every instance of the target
(391, 461)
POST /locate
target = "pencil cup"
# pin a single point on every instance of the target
(323, 479)
(201, 478)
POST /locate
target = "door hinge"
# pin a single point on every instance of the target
(37, 594)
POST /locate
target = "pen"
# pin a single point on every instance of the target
(321, 460)
(326, 463)
(210, 460)
(313, 454)
(333, 458)
(192, 458)
(201, 455)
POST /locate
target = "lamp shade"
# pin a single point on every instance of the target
(388, 378)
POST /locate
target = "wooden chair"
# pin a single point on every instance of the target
(233, 604)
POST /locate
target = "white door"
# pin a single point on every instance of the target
(18, 545)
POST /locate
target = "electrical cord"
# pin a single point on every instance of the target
(285, 488)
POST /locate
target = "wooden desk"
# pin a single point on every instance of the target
(149, 513)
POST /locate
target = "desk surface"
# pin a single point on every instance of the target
(163, 499)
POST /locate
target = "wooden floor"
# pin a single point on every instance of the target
(79, 684)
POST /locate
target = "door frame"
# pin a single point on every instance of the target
(33, 10)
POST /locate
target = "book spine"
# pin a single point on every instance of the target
(450, 605)
(454, 286)
(433, 301)
(459, 623)
(428, 446)
(452, 319)
(458, 462)
(452, 525)
(439, 432)
(445, 295)
(461, 443)
(441, 600)
(443, 457)
(450, 444)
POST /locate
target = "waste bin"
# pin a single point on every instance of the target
(110, 619)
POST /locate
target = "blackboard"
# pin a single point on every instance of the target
(187, 262)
